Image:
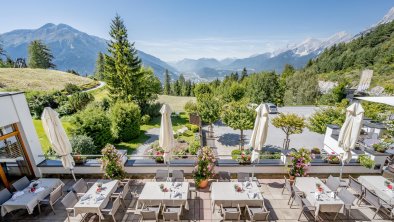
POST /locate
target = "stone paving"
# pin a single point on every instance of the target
(227, 139)
(200, 208)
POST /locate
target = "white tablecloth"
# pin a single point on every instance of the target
(152, 195)
(326, 203)
(94, 205)
(224, 192)
(376, 184)
(29, 200)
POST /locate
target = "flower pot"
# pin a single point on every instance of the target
(203, 183)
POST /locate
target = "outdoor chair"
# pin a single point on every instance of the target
(378, 203)
(257, 213)
(295, 191)
(224, 176)
(172, 213)
(356, 187)
(5, 195)
(348, 198)
(243, 176)
(161, 175)
(80, 187)
(52, 198)
(230, 213)
(150, 212)
(306, 207)
(332, 183)
(21, 184)
(178, 176)
(287, 186)
(111, 208)
(69, 202)
(122, 191)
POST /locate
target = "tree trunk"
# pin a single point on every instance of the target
(287, 142)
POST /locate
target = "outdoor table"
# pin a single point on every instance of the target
(326, 202)
(224, 192)
(92, 201)
(152, 194)
(29, 200)
(377, 185)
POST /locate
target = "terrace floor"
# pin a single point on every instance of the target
(200, 208)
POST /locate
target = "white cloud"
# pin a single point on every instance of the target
(220, 48)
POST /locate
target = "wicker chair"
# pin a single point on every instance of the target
(161, 176)
(69, 202)
(111, 208)
(21, 184)
(224, 176)
(52, 198)
(178, 176)
(150, 212)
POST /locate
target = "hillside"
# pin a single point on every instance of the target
(40, 80)
(373, 50)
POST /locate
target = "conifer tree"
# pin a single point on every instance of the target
(244, 74)
(167, 83)
(100, 65)
(122, 65)
(39, 56)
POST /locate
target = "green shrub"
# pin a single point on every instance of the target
(316, 150)
(125, 121)
(83, 145)
(190, 107)
(192, 127)
(78, 101)
(71, 88)
(193, 147)
(188, 133)
(381, 147)
(235, 154)
(37, 101)
(93, 122)
(145, 119)
(152, 109)
(366, 161)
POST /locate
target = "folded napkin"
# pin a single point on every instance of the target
(34, 182)
(332, 195)
(176, 194)
(39, 190)
(253, 195)
(86, 197)
(100, 197)
(17, 194)
(176, 184)
(247, 184)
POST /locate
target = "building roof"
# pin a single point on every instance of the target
(3, 94)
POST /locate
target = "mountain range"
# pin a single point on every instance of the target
(74, 49)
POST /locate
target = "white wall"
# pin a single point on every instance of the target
(14, 109)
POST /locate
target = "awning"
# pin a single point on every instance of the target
(388, 100)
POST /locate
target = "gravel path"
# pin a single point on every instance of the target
(153, 136)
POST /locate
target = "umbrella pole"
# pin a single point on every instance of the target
(340, 175)
(72, 173)
(168, 171)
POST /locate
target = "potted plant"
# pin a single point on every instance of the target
(112, 163)
(300, 161)
(204, 168)
(333, 159)
(156, 153)
(242, 156)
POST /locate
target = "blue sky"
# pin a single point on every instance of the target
(176, 29)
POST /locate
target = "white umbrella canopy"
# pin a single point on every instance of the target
(260, 130)
(389, 100)
(350, 129)
(166, 137)
(57, 137)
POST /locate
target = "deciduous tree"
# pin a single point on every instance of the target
(289, 124)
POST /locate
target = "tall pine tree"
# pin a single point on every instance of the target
(167, 83)
(40, 56)
(100, 65)
(244, 74)
(122, 65)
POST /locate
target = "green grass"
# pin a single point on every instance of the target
(40, 79)
(99, 94)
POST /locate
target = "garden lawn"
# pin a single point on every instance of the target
(43, 137)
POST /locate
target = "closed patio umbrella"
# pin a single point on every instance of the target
(166, 137)
(58, 138)
(259, 134)
(350, 131)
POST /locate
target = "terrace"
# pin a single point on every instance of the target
(200, 208)
(21, 155)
